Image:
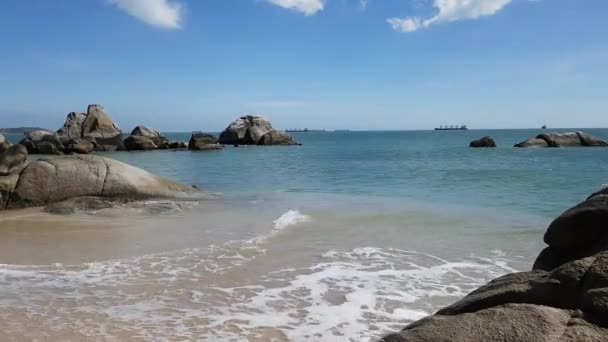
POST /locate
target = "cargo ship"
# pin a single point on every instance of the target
(452, 128)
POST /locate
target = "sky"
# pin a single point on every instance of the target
(184, 65)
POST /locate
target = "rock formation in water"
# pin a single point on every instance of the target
(158, 139)
(203, 142)
(42, 142)
(486, 141)
(563, 299)
(254, 130)
(568, 139)
(54, 179)
(86, 132)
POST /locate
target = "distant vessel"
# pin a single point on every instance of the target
(544, 127)
(305, 130)
(452, 128)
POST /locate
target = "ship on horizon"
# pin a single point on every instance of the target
(462, 127)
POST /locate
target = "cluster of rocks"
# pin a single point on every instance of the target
(568, 139)
(83, 133)
(60, 178)
(563, 299)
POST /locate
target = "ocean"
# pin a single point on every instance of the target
(346, 238)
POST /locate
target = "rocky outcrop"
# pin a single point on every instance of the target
(203, 142)
(139, 143)
(42, 142)
(176, 145)
(55, 179)
(94, 127)
(568, 139)
(254, 130)
(563, 299)
(158, 139)
(486, 141)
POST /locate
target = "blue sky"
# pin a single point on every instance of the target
(181, 65)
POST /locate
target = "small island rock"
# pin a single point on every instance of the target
(567, 139)
(486, 141)
(139, 143)
(157, 138)
(251, 130)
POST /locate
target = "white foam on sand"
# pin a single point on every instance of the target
(354, 295)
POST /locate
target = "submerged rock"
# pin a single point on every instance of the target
(203, 142)
(254, 130)
(178, 145)
(78, 204)
(568, 139)
(486, 141)
(50, 180)
(564, 299)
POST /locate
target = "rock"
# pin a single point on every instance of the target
(157, 138)
(4, 143)
(178, 145)
(72, 128)
(250, 130)
(533, 143)
(79, 146)
(568, 139)
(202, 142)
(95, 127)
(486, 141)
(564, 299)
(42, 142)
(277, 138)
(139, 143)
(12, 160)
(50, 180)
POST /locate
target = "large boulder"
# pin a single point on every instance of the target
(139, 143)
(251, 130)
(564, 299)
(56, 179)
(486, 141)
(157, 138)
(12, 160)
(203, 142)
(567, 139)
(42, 142)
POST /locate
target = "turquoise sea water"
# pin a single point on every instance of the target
(345, 238)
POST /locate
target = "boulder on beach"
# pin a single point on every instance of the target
(567, 139)
(564, 298)
(203, 142)
(55, 179)
(254, 130)
(157, 138)
(42, 142)
(486, 141)
(139, 143)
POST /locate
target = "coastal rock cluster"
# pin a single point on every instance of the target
(563, 299)
(95, 131)
(567, 139)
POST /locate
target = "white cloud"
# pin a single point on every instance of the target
(166, 14)
(308, 7)
(449, 11)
